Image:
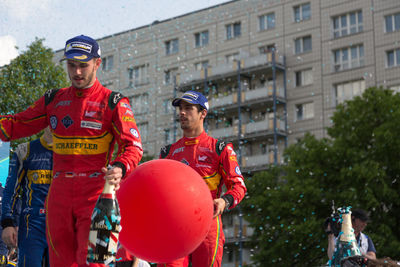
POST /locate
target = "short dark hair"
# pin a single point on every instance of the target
(360, 214)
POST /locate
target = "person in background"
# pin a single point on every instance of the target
(359, 220)
(216, 162)
(29, 177)
(86, 120)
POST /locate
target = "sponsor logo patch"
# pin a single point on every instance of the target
(178, 150)
(237, 170)
(134, 132)
(91, 125)
(63, 103)
(79, 46)
(67, 121)
(128, 119)
(94, 114)
(53, 122)
(202, 158)
(95, 174)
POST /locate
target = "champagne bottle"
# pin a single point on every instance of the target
(346, 245)
(104, 228)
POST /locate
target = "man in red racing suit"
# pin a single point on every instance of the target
(216, 162)
(86, 120)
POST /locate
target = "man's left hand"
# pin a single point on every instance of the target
(113, 176)
(219, 206)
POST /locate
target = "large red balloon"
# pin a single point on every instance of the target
(166, 210)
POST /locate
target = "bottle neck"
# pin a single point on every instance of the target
(108, 189)
(347, 229)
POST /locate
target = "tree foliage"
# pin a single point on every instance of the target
(27, 77)
(358, 166)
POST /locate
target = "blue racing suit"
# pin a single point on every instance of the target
(29, 178)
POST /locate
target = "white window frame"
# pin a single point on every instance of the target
(143, 130)
(265, 49)
(266, 21)
(201, 39)
(138, 75)
(303, 77)
(395, 22)
(396, 58)
(347, 24)
(140, 103)
(300, 42)
(172, 46)
(231, 57)
(233, 30)
(299, 9)
(201, 65)
(348, 57)
(169, 76)
(348, 90)
(304, 111)
(107, 63)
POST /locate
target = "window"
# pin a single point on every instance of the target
(143, 130)
(267, 48)
(172, 47)
(167, 136)
(302, 45)
(302, 12)
(201, 65)
(107, 63)
(267, 21)
(392, 22)
(170, 75)
(201, 39)
(348, 58)
(304, 111)
(233, 30)
(303, 77)
(393, 58)
(347, 91)
(140, 103)
(231, 57)
(138, 75)
(347, 24)
(167, 106)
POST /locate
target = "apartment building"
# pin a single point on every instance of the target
(272, 70)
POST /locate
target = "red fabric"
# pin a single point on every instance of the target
(85, 123)
(74, 115)
(201, 153)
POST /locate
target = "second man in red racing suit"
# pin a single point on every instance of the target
(86, 120)
(216, 162)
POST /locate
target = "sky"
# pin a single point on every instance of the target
(21, 21)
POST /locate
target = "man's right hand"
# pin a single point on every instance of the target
(9, 236)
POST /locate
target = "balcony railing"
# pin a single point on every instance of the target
(231, 67)
(248, 128)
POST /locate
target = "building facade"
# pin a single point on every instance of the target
(273, 70)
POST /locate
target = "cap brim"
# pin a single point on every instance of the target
(178, 100)
(77, 57)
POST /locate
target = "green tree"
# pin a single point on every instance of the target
(27, 77)
(358, 166)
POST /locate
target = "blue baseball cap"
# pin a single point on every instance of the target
(81, 48)
(192, 97)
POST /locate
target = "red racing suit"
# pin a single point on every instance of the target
(216, 162)
(85, 124)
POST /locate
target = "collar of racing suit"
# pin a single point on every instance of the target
(87, 91)
(188, 141)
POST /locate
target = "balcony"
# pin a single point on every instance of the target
(254, 161)
(259, 94)
(247, 64)
(266, 125)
